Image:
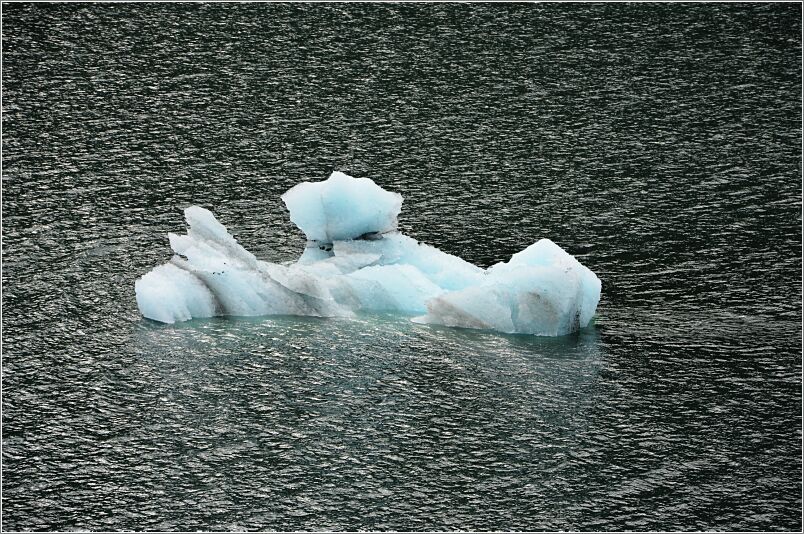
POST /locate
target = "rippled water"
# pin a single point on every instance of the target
(659, 143)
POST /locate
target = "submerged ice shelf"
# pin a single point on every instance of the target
(356, 260)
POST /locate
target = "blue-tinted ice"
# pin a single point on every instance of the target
(355, 261)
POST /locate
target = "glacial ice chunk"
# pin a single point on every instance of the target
(169, 294)
(212, 274)
(356, 261)
(342, 207)
(541, 290)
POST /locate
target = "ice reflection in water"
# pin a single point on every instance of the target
(303, 415)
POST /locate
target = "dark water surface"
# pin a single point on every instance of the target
(660, 144)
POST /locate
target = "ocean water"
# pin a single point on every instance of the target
(658, 143)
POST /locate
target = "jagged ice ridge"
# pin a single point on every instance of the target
(357, 261)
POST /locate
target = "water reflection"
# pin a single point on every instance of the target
(399, 411)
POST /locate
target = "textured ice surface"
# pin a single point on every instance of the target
(342, 207)
(356, 261)
(541, 290)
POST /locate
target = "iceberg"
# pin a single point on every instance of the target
(356, 260)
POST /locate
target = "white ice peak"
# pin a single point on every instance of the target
(357, 261)
(342, 207)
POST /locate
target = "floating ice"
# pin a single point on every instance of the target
(342, 207)
(541, 290)
(355, 261)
